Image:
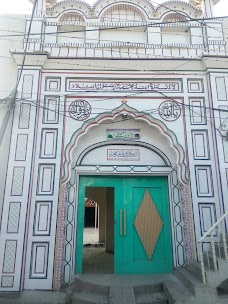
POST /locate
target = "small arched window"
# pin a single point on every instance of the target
(175, 29)
(71, 28)
(122, 14)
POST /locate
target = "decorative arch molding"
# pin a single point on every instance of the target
(69, 5)
(150, 147)
(143, 6)
(179, 7)
(65, 15)
(111, 116)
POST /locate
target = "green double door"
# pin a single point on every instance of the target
(142, 232)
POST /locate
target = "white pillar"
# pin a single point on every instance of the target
(208, 8)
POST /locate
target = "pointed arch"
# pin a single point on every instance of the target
(111, 116)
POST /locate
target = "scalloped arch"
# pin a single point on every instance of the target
(179, 6)
(123, 109)
(70, 5)
(144, 6)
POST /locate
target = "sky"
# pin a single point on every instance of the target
(24, 6)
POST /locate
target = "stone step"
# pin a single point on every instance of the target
(82, 285)
(151, 298)
(121, 295)
(188, 279)
(177, 293)
(85, 297)
(195, 268)
(145, 289)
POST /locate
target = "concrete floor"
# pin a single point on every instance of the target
(95, 259)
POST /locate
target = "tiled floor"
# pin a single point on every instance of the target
(91, 235)
(95, 259)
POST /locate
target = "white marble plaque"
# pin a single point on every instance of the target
(123, 154)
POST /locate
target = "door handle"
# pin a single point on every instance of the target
(121, 224)
(125, 222)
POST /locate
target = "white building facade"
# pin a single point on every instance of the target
(121, 91)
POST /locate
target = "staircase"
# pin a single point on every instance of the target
(163, 289)
(203, 282)
(207, 280)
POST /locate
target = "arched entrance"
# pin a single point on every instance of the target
(155, 155)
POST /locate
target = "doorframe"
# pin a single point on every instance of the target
(154, 171)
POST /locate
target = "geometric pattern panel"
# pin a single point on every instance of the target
(52, 84)
(24, 116)
(51, 110)
(14, 217)
(42, 218)
(223, 118)
(178, 220)
(49, 141)
(39, 260)
(27, 86)
(197, 111)
(148, 224)
(7, 281)
(21, 147)
(195, 85)
(225, 149)
(9, 256)
(18, 180)
(204, 181)
(46, 176)
(221, 88)
(200, 144)
(208, 217)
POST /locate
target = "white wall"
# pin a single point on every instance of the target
(9, 25)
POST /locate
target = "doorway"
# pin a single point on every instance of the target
(98, 232)
(139, 220)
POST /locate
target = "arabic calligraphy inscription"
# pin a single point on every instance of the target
(123, 134)
(162, 86)
(169, 110)
(79, 109)
(123, 154)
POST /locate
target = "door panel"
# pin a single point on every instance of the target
(153, 227)
(141, 217)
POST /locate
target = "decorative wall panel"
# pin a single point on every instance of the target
(221, 88)
(51, 110)
(48, 143)
(9, 256)
(24, 116)
(225, 150)
(39, 260)
(208, 217)
(52, 84)
(27, 86)
(197, 111)
(7, 281)
(195, 85)
(17, 181)
(42, 218)
(14, 217)
(46, 176)
(223, 118)
(21, 147)
(204, 181)
(200, 145)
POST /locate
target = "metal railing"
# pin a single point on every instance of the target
(218, 247)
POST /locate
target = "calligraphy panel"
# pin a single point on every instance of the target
(123, 154)
(123, 134)
(120, 86)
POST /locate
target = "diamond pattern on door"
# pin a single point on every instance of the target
(148, 224)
